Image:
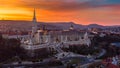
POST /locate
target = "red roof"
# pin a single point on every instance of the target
(112, 66)
(109, 65)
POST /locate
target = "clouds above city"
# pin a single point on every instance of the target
(63, 5)
(79, 11)
(60, 4)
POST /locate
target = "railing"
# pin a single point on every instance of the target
(33, 47)
(56, 45)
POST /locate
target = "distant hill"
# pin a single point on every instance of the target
(26, 25)
(66, 25)
(95, 26)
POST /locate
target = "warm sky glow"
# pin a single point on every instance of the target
(105, 12)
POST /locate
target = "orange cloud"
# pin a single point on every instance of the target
(81, 12)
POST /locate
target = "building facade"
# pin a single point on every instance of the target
(43, 36)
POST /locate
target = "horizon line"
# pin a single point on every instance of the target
(61, 22)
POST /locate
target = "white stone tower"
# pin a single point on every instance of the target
(87, 39)
(34, 28)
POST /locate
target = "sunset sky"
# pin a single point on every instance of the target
(104, 12)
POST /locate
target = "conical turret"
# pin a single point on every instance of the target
(71, 27)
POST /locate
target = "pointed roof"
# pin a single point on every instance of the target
(71, 27)
(34, 16)
(86, 34)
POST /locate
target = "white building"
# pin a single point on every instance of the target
(43, 36)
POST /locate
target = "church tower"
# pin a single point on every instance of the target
(87, 40)
(34, 22)
(34, 28)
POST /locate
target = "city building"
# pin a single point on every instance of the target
(42, 36)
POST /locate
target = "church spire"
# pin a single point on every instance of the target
(34, 17)
(34, 21)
